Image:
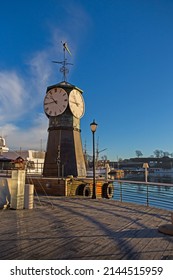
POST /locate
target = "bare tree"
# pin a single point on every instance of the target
(138, 153)
(157, 153)
(166, 154)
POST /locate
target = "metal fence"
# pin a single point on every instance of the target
(149, 194)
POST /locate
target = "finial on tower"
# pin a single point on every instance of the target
(64, 63)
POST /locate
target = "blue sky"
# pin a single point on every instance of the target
(122, 51)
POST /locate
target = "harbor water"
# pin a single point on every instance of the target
(157, 193)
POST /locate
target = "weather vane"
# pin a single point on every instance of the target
(64, 63)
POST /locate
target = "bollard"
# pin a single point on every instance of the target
(17, 189)
(29, 196)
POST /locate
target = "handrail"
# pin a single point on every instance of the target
(159, 195)
(145, 183)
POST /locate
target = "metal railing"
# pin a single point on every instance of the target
(150, 194)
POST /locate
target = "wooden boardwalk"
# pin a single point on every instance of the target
(82, 228)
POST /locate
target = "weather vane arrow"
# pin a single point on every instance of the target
(66, 47)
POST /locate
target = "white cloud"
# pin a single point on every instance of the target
(31, 138)
(20, 100)
(22, 120)
(13, 96)
(40, 72)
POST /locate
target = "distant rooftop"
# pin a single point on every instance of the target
(25, 154)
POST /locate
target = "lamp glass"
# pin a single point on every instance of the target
(93, 126)
(145, 165)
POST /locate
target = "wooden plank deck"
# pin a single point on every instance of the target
(82, 228)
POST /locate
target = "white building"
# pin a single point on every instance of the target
(3, 147)
(34, 160)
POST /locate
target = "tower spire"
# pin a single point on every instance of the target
(63, 69)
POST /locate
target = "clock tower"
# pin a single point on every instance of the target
(64, 106)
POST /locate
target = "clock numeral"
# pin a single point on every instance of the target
(46, 109)
(55, 90)
(50, 112)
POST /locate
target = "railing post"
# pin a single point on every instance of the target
(147, 196)
(121, 194)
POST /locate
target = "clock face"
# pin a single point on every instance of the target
(55, 102)
(76, 103)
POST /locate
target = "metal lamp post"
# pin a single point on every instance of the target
(93, 127)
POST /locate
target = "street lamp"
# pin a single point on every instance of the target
(146, 166)
(93, 127)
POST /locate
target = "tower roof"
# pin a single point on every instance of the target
(64, 85)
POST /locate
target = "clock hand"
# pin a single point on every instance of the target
(49, 102)
(75, 103)
(53, 99)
